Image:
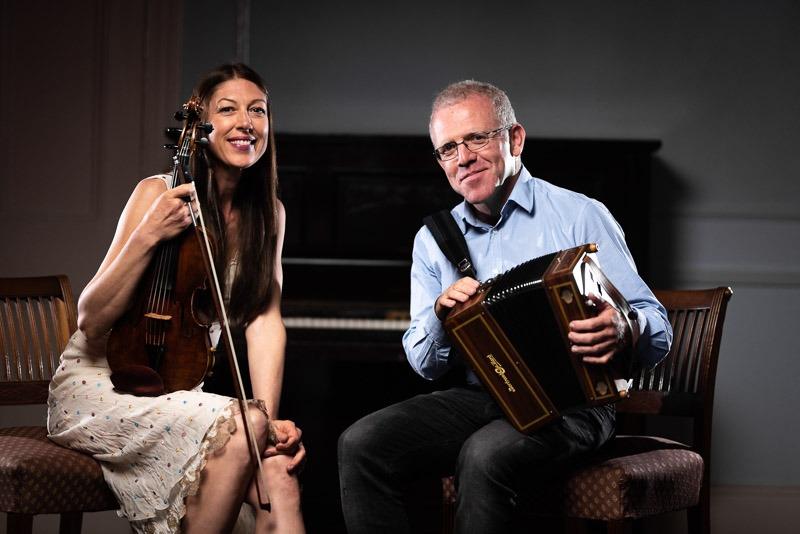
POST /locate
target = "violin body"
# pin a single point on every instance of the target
(162, 344)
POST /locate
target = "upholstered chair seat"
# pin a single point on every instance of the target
(39, 477)
(639, 476)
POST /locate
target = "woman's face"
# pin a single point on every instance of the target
(237, 110)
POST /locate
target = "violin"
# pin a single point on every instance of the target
(161, 343)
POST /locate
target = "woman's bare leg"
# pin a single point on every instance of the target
(284, 494)
(224, 481)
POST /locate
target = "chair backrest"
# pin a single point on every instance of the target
(682, 384)
(37, 317)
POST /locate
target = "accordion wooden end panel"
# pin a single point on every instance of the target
(513, 333)
(502, 371)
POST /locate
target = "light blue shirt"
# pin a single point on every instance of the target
(537, 219)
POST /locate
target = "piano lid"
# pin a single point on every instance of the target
(355, 202)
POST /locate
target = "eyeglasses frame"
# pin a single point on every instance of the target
(491, 134)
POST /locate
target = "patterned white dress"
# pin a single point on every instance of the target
(152, 449)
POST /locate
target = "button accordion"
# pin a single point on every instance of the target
(513, 333)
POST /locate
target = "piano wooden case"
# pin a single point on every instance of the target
(513, 333)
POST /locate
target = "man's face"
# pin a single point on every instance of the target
(477, 176)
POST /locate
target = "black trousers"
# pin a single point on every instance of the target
(459, 431)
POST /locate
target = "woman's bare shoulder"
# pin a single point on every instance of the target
(148, 189)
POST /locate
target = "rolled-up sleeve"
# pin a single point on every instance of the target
(655, 333)
(425, 342)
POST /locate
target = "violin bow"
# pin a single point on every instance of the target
(191, 112)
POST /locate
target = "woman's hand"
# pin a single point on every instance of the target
(284, 438)
(170, 213)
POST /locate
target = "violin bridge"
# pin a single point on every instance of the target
(158, 316)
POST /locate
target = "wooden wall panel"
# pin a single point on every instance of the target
(49, 117)
(86, 89)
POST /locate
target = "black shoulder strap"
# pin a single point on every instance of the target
(450, 239)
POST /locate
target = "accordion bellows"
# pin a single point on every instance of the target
(513, 333)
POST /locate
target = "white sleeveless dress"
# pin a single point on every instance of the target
(151, 449)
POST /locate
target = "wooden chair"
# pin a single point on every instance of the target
(638, 475)
(37, 317)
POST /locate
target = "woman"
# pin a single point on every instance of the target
(180, 461)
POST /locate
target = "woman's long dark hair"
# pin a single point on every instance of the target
(255, 199)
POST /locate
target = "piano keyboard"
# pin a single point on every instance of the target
(337, 323)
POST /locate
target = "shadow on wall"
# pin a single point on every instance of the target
(668, 193)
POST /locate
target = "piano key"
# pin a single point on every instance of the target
(338, 323)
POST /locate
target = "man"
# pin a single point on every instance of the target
(507, 217)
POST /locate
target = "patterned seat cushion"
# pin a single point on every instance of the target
(39, 477)
(635, 476)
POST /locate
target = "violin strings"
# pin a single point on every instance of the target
(164, 267)
(157, 293)
(158, 298)
(167, 267)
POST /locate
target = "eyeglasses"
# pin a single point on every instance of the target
(474, 142)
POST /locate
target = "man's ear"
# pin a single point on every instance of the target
(516, 136)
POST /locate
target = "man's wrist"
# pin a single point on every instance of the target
(439, 310)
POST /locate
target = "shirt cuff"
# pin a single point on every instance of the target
(434, 330)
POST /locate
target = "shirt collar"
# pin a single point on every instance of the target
(521, 195)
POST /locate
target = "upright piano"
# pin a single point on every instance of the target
(354, 204)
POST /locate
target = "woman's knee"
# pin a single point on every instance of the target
(239, 443)
(279, 479)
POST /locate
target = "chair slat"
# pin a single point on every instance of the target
(36, 320)
(5, 342)
(8, 342)
(45, 368)
(22, 347)
(683, 351)
(37, 343)
(53, 341)
(698, 344)
(64, 317)
(678, 321)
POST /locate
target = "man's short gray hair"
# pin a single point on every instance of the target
(458, 91)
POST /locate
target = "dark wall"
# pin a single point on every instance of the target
(716, 82)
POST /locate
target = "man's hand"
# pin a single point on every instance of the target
(284, 438)
(597, 339)
(461, 290)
